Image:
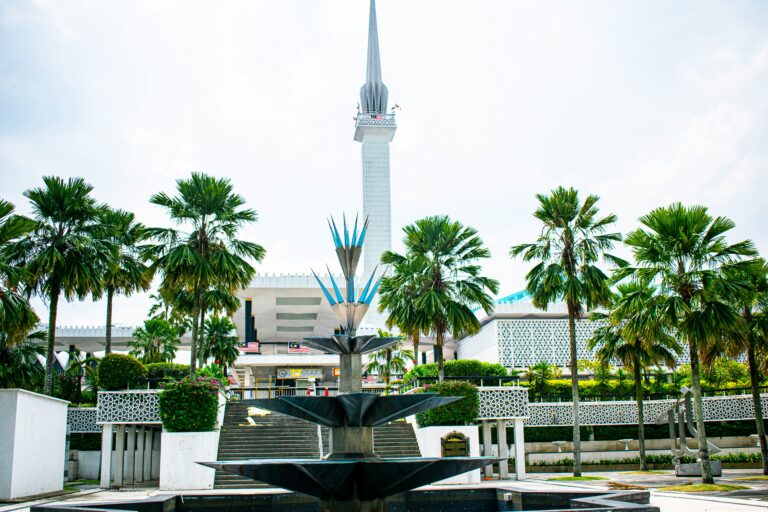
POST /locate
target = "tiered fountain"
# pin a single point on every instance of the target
(352, 477)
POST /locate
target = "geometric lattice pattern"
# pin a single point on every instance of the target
(718, 408)
(82, 420)
(502, 403)
(523, 342)
(128, 407)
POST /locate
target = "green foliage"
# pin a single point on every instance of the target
(442, 277)
(219, 341)
(155, 342)
(212, 371)
(461, 412)
(120, 371)
(190, 405)
(19, 367)
(167, 371)
(458, 368)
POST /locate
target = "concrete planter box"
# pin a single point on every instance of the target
(430, 446)
(180, 452)
(33, 431)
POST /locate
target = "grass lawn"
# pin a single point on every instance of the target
(576, 478)
(703, 488)
(760, 477)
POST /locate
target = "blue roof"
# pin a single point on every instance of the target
(515, 297)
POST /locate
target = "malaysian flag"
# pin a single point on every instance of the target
(297, 348)
(248, 348)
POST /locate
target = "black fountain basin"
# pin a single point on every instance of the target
(347, 479)
(353, 409)
(344, 344)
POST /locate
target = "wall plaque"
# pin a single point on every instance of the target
(455, 444)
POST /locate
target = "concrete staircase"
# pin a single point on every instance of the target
(277, 436)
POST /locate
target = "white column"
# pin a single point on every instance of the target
(501, 439)
(519, 450)
(148, 440)
(139, 470)
(130, 453)
(106, 455)
(119, 455)
(487, 447)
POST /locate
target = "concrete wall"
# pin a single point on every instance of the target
(32, 439)
(429, 444)
(181, 451)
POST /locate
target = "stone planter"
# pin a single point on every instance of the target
(179, 456)
(430, 445)
(33, 432)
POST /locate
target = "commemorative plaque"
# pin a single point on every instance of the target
(455, 444)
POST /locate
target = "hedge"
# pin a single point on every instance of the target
(167, 371)
(458, 368)
(190, 405)
(461, 412)
(120, 371)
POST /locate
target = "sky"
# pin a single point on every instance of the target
(643, 103)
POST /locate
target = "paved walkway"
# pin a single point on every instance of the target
(752, 500)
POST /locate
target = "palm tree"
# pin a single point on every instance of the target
(63, 254)
(208, 255)
(683, 252)
(539, 374)
(447, 282)
(572, 242)
(389, 361)
(17, 316)
(753, 340)
(636, 336)
(397, 294)
(125, 273)
(155, 342)
(220, 342)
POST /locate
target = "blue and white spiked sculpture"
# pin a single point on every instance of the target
(350, 308)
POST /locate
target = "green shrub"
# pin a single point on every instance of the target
(212, 371)
(190, 405)
(167, 371)
(458, 368)
(461, 412)
(120, 371)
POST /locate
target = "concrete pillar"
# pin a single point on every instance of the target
(351, 368)
(501, 437)
(106, 456)
(139, 471)
(148, 439)
(130, 453)
(119, 455)
(519, 449)
(487, 447)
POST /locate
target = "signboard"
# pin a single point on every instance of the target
(455, 444)
(299, 373)
(337, 372)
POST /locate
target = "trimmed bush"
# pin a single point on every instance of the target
(120, 371)
(190, 405)
(167, 371)
(459, 368)
(461, 412)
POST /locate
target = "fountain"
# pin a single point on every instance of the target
(352, 477)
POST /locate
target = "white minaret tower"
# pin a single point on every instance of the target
(375, 128)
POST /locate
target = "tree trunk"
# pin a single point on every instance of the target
(754, 377)
(108, 336)
(51, 356)
(640, 416)
(701, 435)
(575, 389)
(439, 356)
(202, 327)
(195, 329)
(416, 337)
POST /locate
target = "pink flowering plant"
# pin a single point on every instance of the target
(190, 405)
